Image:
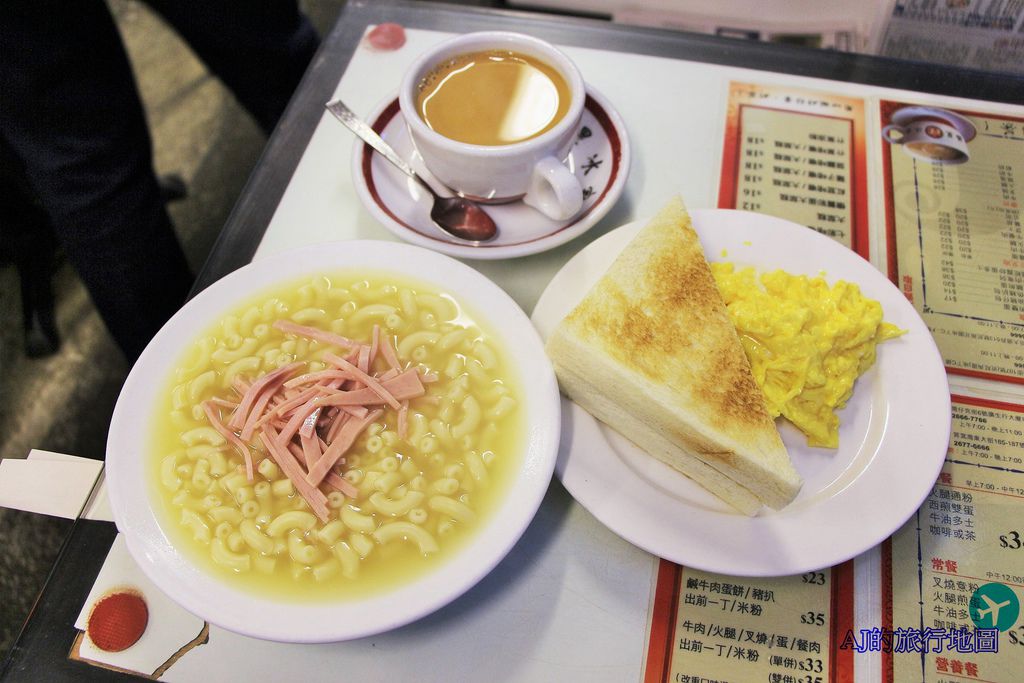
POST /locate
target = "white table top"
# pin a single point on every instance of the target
(571, 597)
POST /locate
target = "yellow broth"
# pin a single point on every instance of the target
(463, 446)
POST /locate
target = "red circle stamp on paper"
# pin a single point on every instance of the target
(386, 37)
(118, 620)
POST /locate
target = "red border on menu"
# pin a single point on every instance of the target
(663, 622)
(885, 110)
(840, 659)
(775, 98)
(987, 403)
(888, 672)
(665, 610)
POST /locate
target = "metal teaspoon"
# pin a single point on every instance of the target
(457, 216)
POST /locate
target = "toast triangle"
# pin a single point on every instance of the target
(651, 352)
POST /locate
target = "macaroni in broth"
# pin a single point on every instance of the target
(413, 484)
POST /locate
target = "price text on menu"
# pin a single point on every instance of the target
(711, 628)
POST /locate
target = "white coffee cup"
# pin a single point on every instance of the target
(532, 170)
(935, 142)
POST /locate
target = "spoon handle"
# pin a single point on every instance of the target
(369, 136)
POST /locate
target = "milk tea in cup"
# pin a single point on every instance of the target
(493, 115)
(492, 97)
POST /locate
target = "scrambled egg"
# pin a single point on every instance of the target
(807, 342)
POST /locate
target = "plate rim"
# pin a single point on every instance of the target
(579, 486)
(306, 621)
(560, 236)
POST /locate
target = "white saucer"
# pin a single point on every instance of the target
(906, 115)
(599, 156)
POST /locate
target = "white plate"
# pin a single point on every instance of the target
(599, 157)
(893, 433)
(215, 600)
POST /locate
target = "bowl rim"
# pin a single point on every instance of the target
(272, 618)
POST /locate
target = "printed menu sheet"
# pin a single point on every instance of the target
(954, 182)
(710, 628)
(799, 155)
(953, 576)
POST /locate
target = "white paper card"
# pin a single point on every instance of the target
(168, 630)
(98, 507)
(48, 483)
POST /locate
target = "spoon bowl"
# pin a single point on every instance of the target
(457, 216)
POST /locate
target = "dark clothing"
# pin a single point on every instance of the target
(27, 240)
(71, 114)
(259, 49)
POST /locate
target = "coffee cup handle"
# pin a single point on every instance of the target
(887, 133)
(554, 190)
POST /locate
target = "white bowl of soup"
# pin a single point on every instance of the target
(334, 441)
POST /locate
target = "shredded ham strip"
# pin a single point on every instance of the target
(288, 327)
(361, 376)
(232, 438)
(344, 485)
(308, 422)
(364, 359)
(294, 424)
(313, 496)
(403, 387)
(390, 356)
(403, 420)
(374, 344)
(238, 420)
(223, 403)
(346, 437)
(354, 411)
(313, 377)
(291, 404)
(310, 450)
(340, 419)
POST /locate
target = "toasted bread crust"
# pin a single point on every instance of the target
(659, 319)
(645, 317)
(673, 453)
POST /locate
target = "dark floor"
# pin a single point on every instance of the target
(63, 403)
